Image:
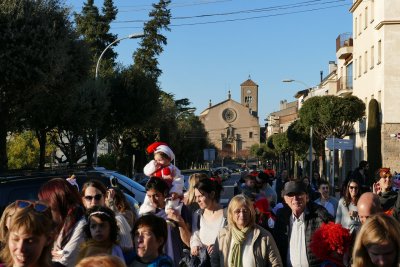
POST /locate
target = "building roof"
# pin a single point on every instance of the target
(204, 112)
(249, 82)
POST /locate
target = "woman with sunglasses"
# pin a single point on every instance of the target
(95, 193)
(68, 215)
(30, 236)
(347, 214)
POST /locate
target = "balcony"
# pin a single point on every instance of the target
(344, 45)
(344, 86)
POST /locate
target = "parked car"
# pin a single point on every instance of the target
(127, 184)
(186, 174)
(13, 188)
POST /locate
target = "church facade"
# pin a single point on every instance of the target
(232, 126)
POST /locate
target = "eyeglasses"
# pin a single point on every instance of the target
(238, 211)
(39, 207)
(325, 188)
(353, 187)
(96, 197)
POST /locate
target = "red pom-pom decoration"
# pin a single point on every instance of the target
(330, 241)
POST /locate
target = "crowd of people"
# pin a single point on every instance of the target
(273, 221)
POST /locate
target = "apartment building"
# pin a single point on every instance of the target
(376, 72)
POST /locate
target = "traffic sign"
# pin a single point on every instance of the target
(209, 154)
(337, 143)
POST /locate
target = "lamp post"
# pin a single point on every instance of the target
(310, 152)
(130, 36)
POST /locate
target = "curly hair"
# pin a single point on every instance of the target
(105, 215)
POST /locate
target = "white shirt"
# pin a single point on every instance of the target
(297, 254)
(246, 250)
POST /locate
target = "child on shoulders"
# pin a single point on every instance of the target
(161, 167)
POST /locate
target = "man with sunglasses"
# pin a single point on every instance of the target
(296, 222)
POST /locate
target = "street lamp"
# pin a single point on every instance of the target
(130, 36)
(309, 88)
(310, 152)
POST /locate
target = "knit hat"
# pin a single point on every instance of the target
(161, 147)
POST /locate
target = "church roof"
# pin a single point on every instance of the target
(204, 112)
(249, 82)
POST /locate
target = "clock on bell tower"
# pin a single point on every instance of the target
(249, 95)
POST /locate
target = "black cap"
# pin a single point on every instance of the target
(294, 187)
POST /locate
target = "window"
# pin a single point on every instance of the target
(355, 28)
(372, 57)
(379, 51)
(379, 96)
(372, 10)
(248, 99)
(250, 134)
(366, 18)
(359, 24)
(365, 61)
(349, 76)
(359, 66)
(355, 69)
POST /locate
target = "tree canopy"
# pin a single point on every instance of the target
(331, 115)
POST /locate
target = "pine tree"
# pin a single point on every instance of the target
(145, 58)
(94, 29)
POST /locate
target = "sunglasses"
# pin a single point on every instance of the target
(39, 207)
(353, 187)
(96, 197)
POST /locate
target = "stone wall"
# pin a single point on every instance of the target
(390, 146)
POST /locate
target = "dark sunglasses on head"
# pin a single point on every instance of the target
(96, 197)
(39, 207)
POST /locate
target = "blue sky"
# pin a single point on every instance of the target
(269, 40)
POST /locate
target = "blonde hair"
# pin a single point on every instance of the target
(193, 180)
(103, 260)
(36, 223)
(237, 202)
(377, 229)
(8, 212)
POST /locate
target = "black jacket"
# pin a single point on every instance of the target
(315, 215)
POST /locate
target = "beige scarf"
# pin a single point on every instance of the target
(238, 237)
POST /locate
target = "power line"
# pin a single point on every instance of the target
(175, 5)
(239, 19)
(271, 8)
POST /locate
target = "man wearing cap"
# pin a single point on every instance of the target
(296, 222)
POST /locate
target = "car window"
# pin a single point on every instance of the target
(26, 193)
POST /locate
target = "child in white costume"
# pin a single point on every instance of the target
(161, 167)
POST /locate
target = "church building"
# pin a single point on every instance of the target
(232, 126)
